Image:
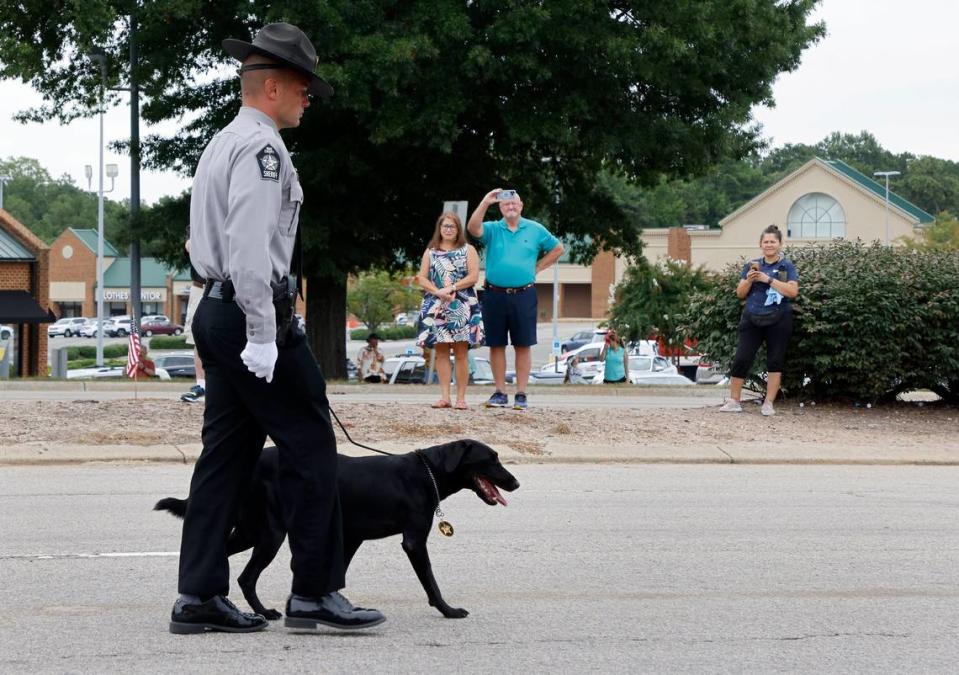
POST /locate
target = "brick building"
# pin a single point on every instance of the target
(24, 295)
(73, 280)
(73, 271)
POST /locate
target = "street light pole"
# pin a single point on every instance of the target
(887, 174)
(3, 181)
(111, 170)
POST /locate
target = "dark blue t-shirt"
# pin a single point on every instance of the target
(782, 269)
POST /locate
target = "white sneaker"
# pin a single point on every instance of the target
(768, 409)
(732, 405)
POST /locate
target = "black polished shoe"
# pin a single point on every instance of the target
(332, 610)
(216, 614)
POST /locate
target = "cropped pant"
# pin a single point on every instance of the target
(751, 337)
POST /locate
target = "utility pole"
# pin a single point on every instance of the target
(134, 172)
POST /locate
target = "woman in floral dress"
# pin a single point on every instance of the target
(450, 316)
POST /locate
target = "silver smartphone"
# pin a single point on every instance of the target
(506, 194)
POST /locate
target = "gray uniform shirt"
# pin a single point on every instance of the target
(243, 215)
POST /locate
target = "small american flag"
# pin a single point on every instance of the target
(133, 350)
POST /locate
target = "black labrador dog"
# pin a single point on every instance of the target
(379, 496)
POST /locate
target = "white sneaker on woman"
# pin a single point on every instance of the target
(768, 409)
(732, 405)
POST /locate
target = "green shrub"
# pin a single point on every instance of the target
(388, 333)
(870, 323)
(90, 352)
(169, 342)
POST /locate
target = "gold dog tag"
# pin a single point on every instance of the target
(445, 528)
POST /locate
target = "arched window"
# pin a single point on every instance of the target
(816, 216)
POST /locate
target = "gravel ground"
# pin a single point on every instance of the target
(905, 425)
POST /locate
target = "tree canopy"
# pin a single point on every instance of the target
(929, 182)
(48, 205)
(438, 100)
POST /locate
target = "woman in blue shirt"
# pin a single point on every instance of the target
(615, 359)
(768, 284)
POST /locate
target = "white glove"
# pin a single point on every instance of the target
(260, 358)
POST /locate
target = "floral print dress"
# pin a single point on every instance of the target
(456, 321)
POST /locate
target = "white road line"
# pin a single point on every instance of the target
(118, 554)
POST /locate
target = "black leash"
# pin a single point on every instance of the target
(444, 527)
(365, 447)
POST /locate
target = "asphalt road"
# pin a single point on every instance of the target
(591, 568)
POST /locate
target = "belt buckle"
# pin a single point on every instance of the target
(511, 291)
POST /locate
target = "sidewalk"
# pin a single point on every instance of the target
(748, 451)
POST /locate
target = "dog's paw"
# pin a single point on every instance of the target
(455, 613)
(271, 614)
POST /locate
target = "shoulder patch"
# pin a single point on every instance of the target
(268, 160)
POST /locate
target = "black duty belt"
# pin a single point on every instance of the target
(219, 290)
(223, 290)
(511, 290)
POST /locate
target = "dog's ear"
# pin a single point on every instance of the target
(475, 453)
(453, 455)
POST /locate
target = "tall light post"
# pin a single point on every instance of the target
(887, 174)
(112, 171)
(555, 349)
(3, 181)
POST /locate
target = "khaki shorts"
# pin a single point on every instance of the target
(196, 294)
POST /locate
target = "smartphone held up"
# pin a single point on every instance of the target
(504, 195)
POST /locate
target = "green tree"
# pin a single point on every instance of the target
(49, 206)
(439, 100)
(941, 235)
(652, 298)
(375, 297)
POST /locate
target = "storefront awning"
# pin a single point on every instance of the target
(21, 307)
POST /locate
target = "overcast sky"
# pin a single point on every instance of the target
(886, 66)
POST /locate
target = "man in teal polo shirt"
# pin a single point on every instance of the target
(517, 249)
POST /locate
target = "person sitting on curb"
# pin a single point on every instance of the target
(370, 361)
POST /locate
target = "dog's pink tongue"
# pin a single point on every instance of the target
(491, 490)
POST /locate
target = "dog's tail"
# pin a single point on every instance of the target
(175, 506)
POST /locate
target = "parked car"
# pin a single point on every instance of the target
(153, 318)
(89, 329)
(412, 370)
(585, 354)
(160, 327)
(645, 369)
(96, 373)
(582, 338)
(176, 364)
(119, 326)
(644, 348)
(66, 327)
(709, 373)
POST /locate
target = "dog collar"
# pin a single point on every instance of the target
(444, 526)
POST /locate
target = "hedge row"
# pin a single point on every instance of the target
(169, 342)
(389, 333)
(870, 323)
(90, 352)
(117, 350)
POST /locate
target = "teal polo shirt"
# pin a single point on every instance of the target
(511, 256)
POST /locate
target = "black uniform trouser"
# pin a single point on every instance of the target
(241, 410)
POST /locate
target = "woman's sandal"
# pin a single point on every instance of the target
(442, 403)
(461, 405)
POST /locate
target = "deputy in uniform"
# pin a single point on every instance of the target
(261, 377)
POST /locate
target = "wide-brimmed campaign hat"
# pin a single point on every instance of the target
(289, 46)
